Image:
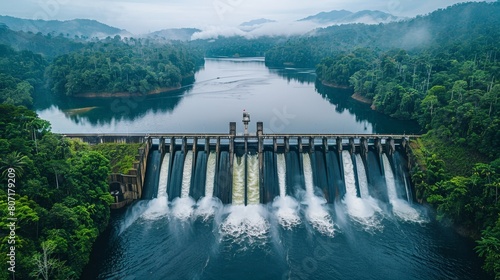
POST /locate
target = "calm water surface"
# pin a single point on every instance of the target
(286, 100)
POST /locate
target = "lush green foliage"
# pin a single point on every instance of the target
(20, 73)
(114, 65)
(120, 156)
(236, 46)
(469, 200)
(48, 46)
(457, 98)
(62, 197)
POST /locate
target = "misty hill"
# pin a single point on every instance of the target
(47, 45)
(84, 28)
(328, 17)
(465, 26)
(343, 17)
(254, 24)
(181, 34)
(259, 21)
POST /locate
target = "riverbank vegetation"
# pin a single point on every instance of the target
(61, 197)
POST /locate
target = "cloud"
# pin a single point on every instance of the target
(268, 29)
(151, 15)
(212, 32)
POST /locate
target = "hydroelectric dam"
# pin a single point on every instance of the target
(246, 169)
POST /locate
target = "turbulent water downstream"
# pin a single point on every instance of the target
(295, 236)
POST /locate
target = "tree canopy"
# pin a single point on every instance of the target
(62, 197)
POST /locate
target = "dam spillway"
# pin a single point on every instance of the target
(255, 169)
(246, 169)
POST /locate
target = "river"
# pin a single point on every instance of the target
(294, 237)
(286, 100)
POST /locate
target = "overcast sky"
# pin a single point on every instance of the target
(151, 15)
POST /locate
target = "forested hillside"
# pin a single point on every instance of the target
(20, 73)
(236, 46)
(116, 66)
(31, 61)
(48, 46)
(466, 26)
(61, 197)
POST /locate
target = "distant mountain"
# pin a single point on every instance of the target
(369, 17)
(254, 24)
(328, 17)
(259, 21)
(344, 17)
(182, 34)
(69, 28)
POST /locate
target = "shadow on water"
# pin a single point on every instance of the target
(301, 75)
(343, 101)
(102, 111)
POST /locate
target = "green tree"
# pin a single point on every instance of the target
(15, 161)
(488, 247)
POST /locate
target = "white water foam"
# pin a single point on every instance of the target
(359, 209)
(132, 214)
(206, 207)
(162, 185)
(316, 213)
(286, 207)
(282, 174)
(209, 183)
(362, 179)
(245, 225)
(238, 181)
(400, 207)
(183, 208)
(186, 174)
(253, 194)
(157, 208)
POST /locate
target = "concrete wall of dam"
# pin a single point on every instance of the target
(129, 187)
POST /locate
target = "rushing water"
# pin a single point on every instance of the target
(296, 236)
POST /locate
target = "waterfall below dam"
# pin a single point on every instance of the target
(294, 182)
(287, 211)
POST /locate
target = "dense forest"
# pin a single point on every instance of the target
(60, 189)
(31, 61)
(20, 73)
(467, 26)
(130, 66)
(236, 46)
(61, 194)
